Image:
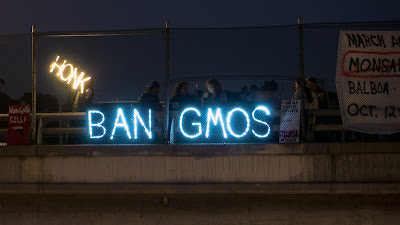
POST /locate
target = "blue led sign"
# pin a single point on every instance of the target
(121, 124)
(116, 124)
(229, 125)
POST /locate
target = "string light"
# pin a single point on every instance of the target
(265, 109)
(228, 122)
(136, 117)
(91, 124)
(194, 124)
(210, 115)
(73, 75)
(118, 124)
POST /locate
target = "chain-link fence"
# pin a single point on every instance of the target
(225, 85)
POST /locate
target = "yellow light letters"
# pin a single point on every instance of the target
(78, 80)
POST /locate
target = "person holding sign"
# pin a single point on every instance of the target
(310, 99)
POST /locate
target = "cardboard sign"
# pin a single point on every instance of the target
(368, 81)
(290, 121)
(18, 125)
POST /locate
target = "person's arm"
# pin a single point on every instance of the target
(140, 98)
(204, 98)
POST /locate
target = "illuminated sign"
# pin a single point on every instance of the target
(135, 124)
(234, 123)
(72, 76)
(120, 125)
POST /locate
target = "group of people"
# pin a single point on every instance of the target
(213, 93)
(314, 96)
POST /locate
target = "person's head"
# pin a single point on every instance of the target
(311, 82)
(297, 84)
(214, 87)
(89, 91)
(153, 88)
(182, 88)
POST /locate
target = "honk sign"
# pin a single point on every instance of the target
(71, 74)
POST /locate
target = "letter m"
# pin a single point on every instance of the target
(352, 40)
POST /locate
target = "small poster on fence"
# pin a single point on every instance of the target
(290, 121)
(18, 125)
(368, 81)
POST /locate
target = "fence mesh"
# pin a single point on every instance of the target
(253, 65)
(15, 74)
(256, 67)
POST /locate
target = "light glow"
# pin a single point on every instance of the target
(194, 124)
(228, 122)
(119, 124)
(136, 116)
(265, 109)
(91, 124)
(210, 116)
(73, 75)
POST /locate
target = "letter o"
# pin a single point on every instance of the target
(349, 110)
(228, 122)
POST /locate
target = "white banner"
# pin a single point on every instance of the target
(368, 81)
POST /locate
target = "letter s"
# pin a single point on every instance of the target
(265, 109)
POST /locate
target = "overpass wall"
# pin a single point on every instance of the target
(273, 164)
(313, 183)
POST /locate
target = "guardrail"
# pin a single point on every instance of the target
(318, 127)
(66, 117)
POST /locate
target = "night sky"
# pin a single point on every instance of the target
(17, 16)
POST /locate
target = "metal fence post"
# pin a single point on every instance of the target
(167, 78)
(302, 83)
(33, 121)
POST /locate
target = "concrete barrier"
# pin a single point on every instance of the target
(287, 167)
(320, 183)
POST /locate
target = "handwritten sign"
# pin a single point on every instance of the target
(18, 125)
(78, 80)
(368, 81)
(290, 121)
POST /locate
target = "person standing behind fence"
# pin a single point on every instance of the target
(323, 98)
(150, 95)
(214, 92)
(323, 103)
(180, 95)
(77, 101)
(310, 98)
